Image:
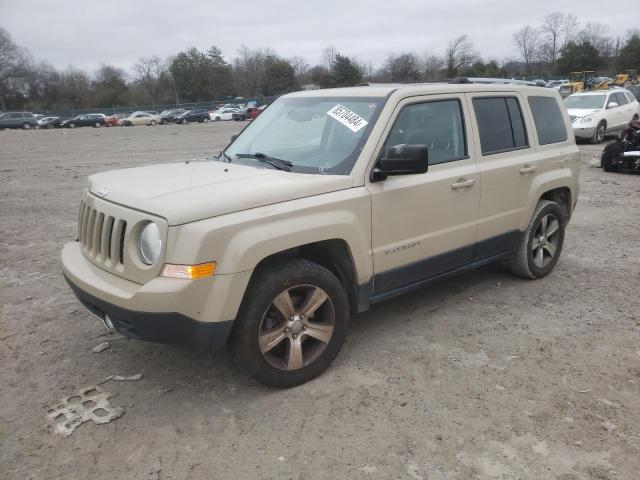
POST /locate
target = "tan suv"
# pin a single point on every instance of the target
(328, 202)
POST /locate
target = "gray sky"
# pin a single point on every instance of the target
(86, 33)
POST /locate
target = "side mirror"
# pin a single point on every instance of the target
(401, 159)
(612, 104)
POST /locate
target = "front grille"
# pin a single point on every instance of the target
(101, 235)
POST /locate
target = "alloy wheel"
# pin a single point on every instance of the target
(545, 241)
(600, 133)
(297, 327)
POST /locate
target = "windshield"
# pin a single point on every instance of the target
(316, 134)
(585, 101)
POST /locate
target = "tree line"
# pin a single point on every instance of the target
(558, 45)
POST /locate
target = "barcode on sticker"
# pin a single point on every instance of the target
(348, 118)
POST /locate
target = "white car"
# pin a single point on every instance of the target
(140, 118)
(223, 114)
(598, 113)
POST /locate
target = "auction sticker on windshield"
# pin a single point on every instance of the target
(348, 118)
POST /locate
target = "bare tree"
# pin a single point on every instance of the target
(526, 40)
(14, 67)
(328, 57)
(250, 67)
(403, 68)
(569, 28)
(553, 25)
(459, 55)
(151, 75)
(432, 66)
(595, 34)
(300, 66)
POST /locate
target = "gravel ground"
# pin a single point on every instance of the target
(482, 376)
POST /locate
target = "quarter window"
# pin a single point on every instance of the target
(437, 124)
(500, 124)
(548, 120)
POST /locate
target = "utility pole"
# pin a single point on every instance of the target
(175, 89)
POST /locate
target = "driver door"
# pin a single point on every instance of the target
(424, 225)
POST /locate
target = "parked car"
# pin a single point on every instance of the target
(48, 122)
(109, 120)
(555, 83)
(248, 113)
(191, 116)
(635, 90)
(24, 120)
(595, 114)
(277, 243)
(140, 118)
(170, 116)
(85, 120)
(224, 113)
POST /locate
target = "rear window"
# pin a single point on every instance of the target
(500, 124)
(548, 120)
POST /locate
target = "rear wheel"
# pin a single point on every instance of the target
(152, 123)
(72, 125)
(292, 324)
(599, 134)
(26, 126)
(217, 119)
(610, 156)
(97, 125)
(541, 244)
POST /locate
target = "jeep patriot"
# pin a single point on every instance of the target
(328, 202)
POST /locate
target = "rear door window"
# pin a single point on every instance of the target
(620, 99)
(548, 120)
(500, 124)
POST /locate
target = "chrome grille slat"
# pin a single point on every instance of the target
(105, 234)
(97, 235)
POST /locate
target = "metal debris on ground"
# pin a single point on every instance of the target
(90, 403)
(130, 378)
(101, 347)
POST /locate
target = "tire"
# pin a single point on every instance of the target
(72, 125)
(97, 125)
(610, 155)
(599, 134)
(526, 261)
(205, 120)
(216, 119)
(152, 123)
(26, 126)
(274, 363)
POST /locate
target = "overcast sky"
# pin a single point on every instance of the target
(87, 33)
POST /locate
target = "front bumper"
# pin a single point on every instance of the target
(196, 314)
(582, 132)
(171, 328)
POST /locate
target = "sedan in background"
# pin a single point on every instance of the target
(85, 120)
(248, 113)
(170, 116)
(223, 113)
(48, 122)
(140, 118)
(192, 116)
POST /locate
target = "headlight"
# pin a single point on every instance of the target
(150, 244)
(587, 119)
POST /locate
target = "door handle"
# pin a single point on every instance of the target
(528, 169)
(463, 183)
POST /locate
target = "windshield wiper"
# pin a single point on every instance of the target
(273, 161)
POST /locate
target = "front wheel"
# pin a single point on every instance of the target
(72, 125)
(610, 157)
(541, 244)
(292, 323)
(205, 120)
(598, 135)
(26, 126)
(97, 125)
(152, 123)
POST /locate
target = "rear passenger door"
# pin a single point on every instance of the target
(508, 166)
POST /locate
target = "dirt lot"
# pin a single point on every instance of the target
(483, 376)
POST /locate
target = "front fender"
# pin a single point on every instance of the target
(239, 241)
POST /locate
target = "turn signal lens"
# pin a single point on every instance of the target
(189, 272)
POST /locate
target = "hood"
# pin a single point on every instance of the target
(582, 112)
(189, 191)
